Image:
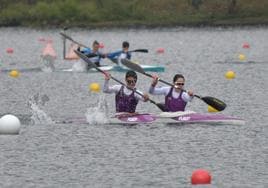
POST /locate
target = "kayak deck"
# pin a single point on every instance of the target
(181, 118)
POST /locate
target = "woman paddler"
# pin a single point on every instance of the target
(126, 99)
(176, 97)
(93, 54)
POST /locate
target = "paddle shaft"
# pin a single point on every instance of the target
(71, 39)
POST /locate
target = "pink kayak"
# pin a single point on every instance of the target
(174, 118)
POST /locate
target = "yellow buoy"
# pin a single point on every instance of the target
(94, 87)
(211, 109)
(14, 73)
(229, 75)
(242, 57)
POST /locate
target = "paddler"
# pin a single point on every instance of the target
(176, 97)
(93, 54)
(122, 54)
(125, 51)
(126, 99)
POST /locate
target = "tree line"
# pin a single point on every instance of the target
(131, 12)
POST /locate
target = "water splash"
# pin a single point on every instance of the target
(79, 66)
(48, 64)
(38, 115)
(98, 113)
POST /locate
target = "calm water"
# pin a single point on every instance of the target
(46, 154)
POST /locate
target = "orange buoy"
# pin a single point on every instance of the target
(9, 50)
(160, 50)
(200, 176)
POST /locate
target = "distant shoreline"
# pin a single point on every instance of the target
(133, 14)
(161, 26)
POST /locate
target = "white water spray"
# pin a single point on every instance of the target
(79, 66)
(38, 115)
(48, 63)
(98, 114)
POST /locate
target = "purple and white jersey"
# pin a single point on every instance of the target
(126, 99)
(174, 104)
(125, 103)
(174, 101)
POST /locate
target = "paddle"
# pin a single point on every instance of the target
(110, 54)
(71, 39)
(140, 50)
(114, 55)
(82, 56)
(212, 101)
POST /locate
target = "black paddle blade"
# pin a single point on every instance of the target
(133, 66)
(215, 103)
(141, 50)
(161, 106)
(86, 59)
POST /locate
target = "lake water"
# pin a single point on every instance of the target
(49, 154)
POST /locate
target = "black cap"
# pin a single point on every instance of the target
(125, 44)
(131, 74)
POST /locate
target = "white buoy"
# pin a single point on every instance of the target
(9, 124)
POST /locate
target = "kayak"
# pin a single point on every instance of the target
(207, 119)
(173, 118)
(117, 68)
(187, 117)
(134, 118)
(147, 68)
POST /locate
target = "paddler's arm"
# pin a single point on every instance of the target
(187, 95)
(109, 89)
(159, 90)
(143, 98)
(84, 50)
(102, 55)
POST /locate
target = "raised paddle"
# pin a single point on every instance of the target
(212, 101)
(71, 39)
(109, 54)
(86, 59)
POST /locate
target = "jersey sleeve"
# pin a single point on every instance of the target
(159, 90)
(110, 89)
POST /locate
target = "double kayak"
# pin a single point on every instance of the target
(117, 68)
(187, 117)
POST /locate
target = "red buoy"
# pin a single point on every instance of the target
(41, 39)
(246, 45)
(160, 50)
(9, 50)
(200, 176)
(101, 45)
